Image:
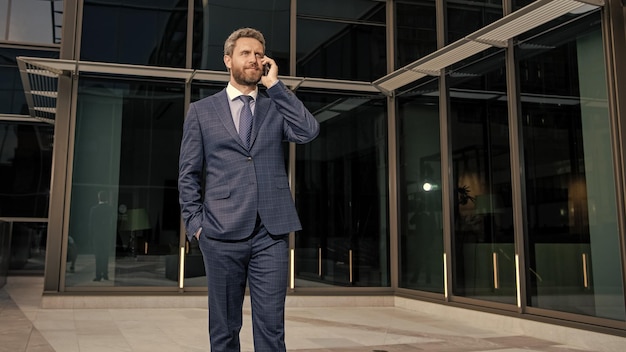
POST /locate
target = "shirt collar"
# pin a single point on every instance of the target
(234, 93)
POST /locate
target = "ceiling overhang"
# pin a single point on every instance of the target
(497, 34)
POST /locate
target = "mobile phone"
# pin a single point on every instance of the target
(266, 69)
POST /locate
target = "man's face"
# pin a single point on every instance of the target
(245, 61)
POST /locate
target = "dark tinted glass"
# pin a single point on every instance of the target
(143, 32)
(342, 193)
(416, 31)
(214, 20)
(517, 4)
(341, 40)
(25, 168)
(483, 243)
(420, 189)
(28, 247)
(127, 141)
(573, 219)
(465, 18)
(12, 100)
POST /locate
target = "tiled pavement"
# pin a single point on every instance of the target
(26, 326)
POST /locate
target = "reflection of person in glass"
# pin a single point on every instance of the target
(247, 210)
(101, 225)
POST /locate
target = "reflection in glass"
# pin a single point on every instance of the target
(416, 32)
(34, 21)
(119, 151)
(12, 100)
(28, 247)
(464, 18)
(483, 243)
(419, 160)
(342, 193)
(135, 32)
(573, 236)
(517, 4)
(341, 40)
(214, 21)
(25, 168)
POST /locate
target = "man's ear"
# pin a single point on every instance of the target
(227, 62)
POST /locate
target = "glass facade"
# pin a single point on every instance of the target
(493, 180)
(27, 28)
(31, 21)
(416, 30)
(160, 40)
(420, 186)
(465, 18)
(573, 236)
(12, 99)
(215, 20)
(119, 151)
(341, 193)
(341, 40)
(483, 244)
(25, 168)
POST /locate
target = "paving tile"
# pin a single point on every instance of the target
(27, 327)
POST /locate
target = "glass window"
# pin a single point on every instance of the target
(416, 32)
(28, 247)
(143, 32)
(215, 20)
(341, 40)
(12, 100)
(467, 17)
(127, 140)
(419, 191)
(34, 21)
(573, 234)
(483, 242)
(518, 4)
(25, 168)
(342, 193)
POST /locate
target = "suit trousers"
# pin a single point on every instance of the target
(261, 259)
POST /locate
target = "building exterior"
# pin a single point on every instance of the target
(471, 153)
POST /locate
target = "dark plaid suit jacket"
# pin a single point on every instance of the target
(240, 183)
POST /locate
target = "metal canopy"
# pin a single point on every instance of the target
(497, 34)
(40, 80)
(40, 75)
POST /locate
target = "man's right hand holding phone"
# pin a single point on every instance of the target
(270, 72)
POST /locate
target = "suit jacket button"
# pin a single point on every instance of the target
(249, 158)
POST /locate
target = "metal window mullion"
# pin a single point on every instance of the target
(518, 184)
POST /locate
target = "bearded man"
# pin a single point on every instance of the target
(245, 212)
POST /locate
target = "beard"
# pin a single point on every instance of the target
(246, 77)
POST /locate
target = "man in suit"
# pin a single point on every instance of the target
(245, 212)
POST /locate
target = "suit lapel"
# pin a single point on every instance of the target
(260, 112)
(222, 110)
